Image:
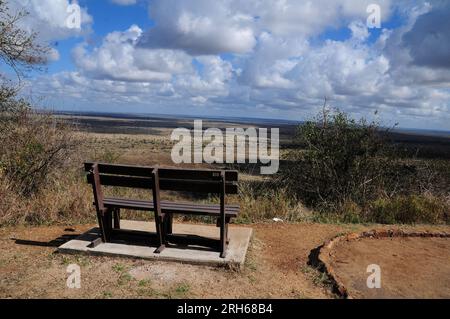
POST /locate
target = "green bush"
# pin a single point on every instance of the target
(348, 171)
(409, 209)
(343, 160)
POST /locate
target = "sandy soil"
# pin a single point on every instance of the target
(410, 267)
(276, 267)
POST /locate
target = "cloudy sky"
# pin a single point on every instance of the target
(253, 58)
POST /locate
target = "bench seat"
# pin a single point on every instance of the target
(172, 207)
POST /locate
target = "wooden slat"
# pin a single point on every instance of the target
(174, 210)
(123, 181)
(170, 203)
(210, 187)
(172, 207)
(171, 173)
(167, 204)
(130, 170)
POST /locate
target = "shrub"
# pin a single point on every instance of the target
(33, 147)
(37, 182)
(343, 160)
(348, 171)
(64, 200)
(409, 209)
(40, 177)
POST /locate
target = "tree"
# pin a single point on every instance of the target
(342, 159)
(19, 49)
(32, 144)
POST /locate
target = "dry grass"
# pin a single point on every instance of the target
(259, 203)
(68, 199)
(64, 201)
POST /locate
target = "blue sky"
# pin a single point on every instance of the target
(108, 17)
(270, 59)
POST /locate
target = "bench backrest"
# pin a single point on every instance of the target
(173, 179)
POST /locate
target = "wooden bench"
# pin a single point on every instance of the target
(219, 182)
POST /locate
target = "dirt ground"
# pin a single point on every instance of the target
(276, 267)
(413, 267)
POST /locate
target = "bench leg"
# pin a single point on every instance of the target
(105, 225)
(168, 223)
(223, 248)
(108, 224)
(160, 234)
(223, 239)
(227, 221)
(101, 225)
(117, 218)
(227, 236)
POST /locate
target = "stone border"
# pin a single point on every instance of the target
(320, 257)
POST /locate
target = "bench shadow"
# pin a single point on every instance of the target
(130, 238)
(150, 239)
(52, 243)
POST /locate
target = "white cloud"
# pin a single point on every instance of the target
(277, 66)
(213, 27)
(199, 27)
(308, 18)
(212, 81)
(119, 59)
(49, 18)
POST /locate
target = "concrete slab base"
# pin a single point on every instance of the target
(135, 240)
